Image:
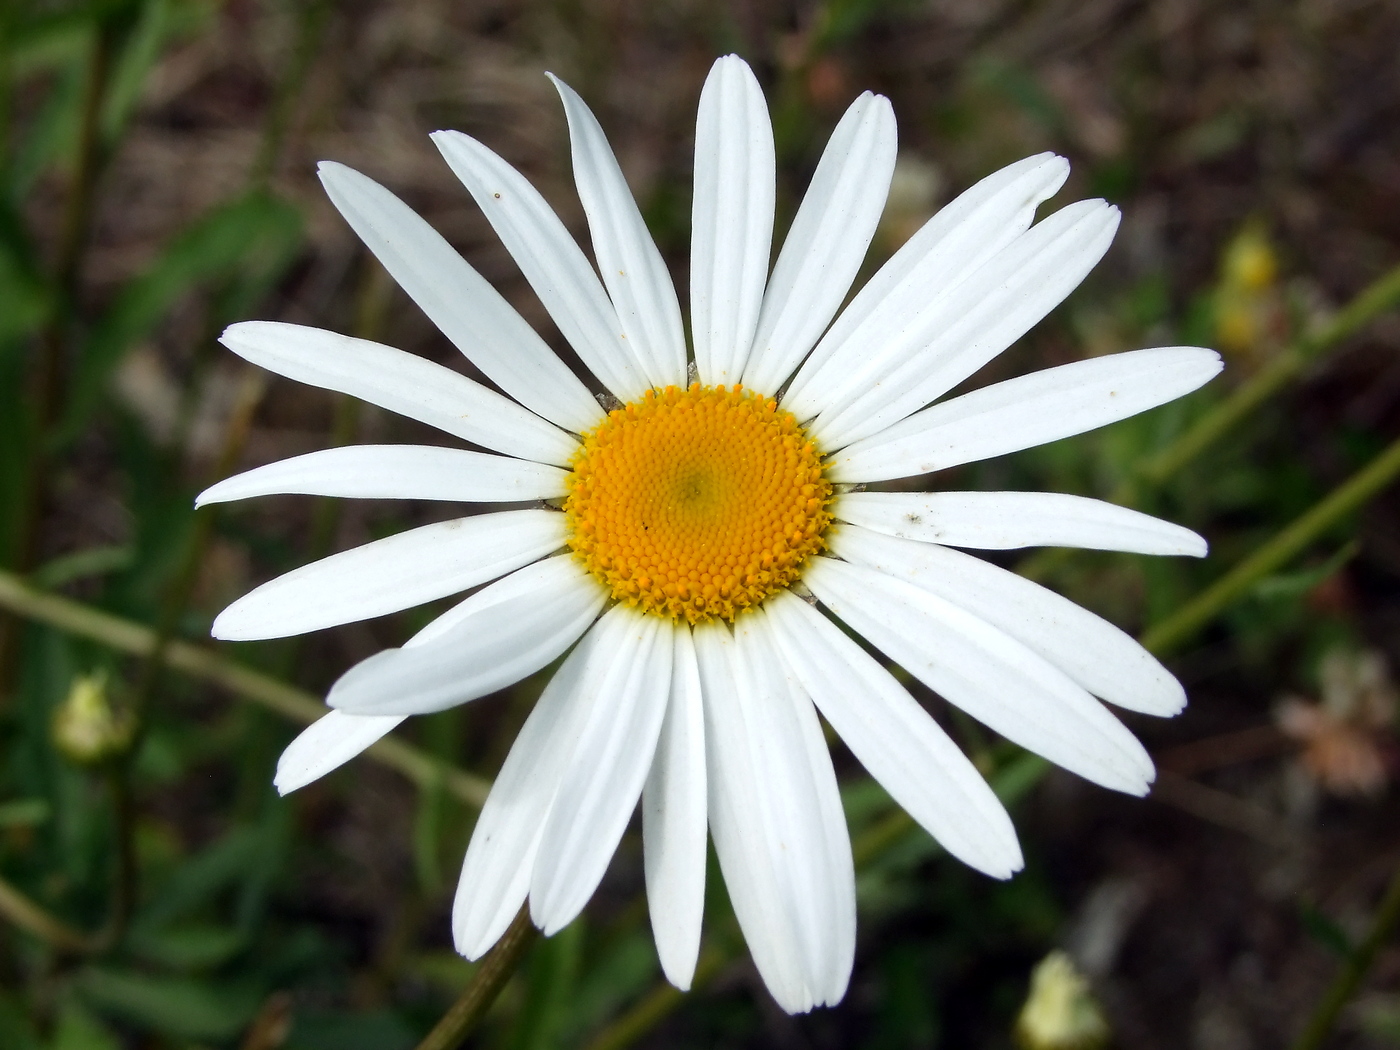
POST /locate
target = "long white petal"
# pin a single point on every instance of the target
(896, 739)
(731, 227)
(988, 312)
(674, 821)
(457, 299)
(396, 472)
(827, 241)
(326, 744)
(949, 248)
(1096, 654)
(394, 573)
(994, 678)
(1026, 411)
(766, 820)
(489, 641)
(613, 750)
(632, 268)
(1006, 520)
(551, 261)
(496, 872)
(402, 383)
(831, 967)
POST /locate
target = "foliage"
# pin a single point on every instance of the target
(176, 901)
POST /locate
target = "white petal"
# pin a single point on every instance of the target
(402, 383)
(327, 744)
(827, 241)
(1006, 520)
(613, 750)
(988, 312)
(396, 472)
(394, 573)
(945, 252)
(766, 817)
(994, 678)
(1096, 654)
(674, 821)
(633, 270)
(731, 227)
(496, 872)
(489, 641)
(1026, 411)
(551, 261)
(895, 739)
(459, 301)
(831, 968)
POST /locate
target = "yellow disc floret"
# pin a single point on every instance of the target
(697, 503)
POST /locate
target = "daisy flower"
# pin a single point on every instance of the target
(689, 548)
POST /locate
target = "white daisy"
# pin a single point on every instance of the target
(682, 537)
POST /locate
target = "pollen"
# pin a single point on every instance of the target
(699, 503)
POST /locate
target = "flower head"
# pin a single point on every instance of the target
(695, 539)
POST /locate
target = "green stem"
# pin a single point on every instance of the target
(1353, 972)
(310, 22)
(1292, 540)
(27, 915)
(485, 984)
(292, 703)
(1378, 297)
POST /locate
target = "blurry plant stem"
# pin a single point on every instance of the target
(310, 23)
(1379, 297)
(485, 984)
(1375, 299)
(296, 705)
(24, 913)
(1353, 972)
(48, 380)
(1277, 552)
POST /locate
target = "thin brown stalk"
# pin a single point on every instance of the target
(486, 982)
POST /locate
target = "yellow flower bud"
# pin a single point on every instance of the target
(87, 729)
(1060, 1012)
(1250, 264)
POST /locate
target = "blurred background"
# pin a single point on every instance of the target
(157, 182)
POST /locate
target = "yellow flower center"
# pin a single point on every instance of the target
(697, 503)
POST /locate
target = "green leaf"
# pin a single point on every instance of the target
(53, 133)
(43, 42)
(380, 1030)
(80, 565)
(24, 812)
(1325, 930)
(16, 1027)
(551, 982)
(192, 946)
(79, 1030)
(202, 878)
(1286, 586)
(177, 1006)
(159, 22)
(427, 836)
